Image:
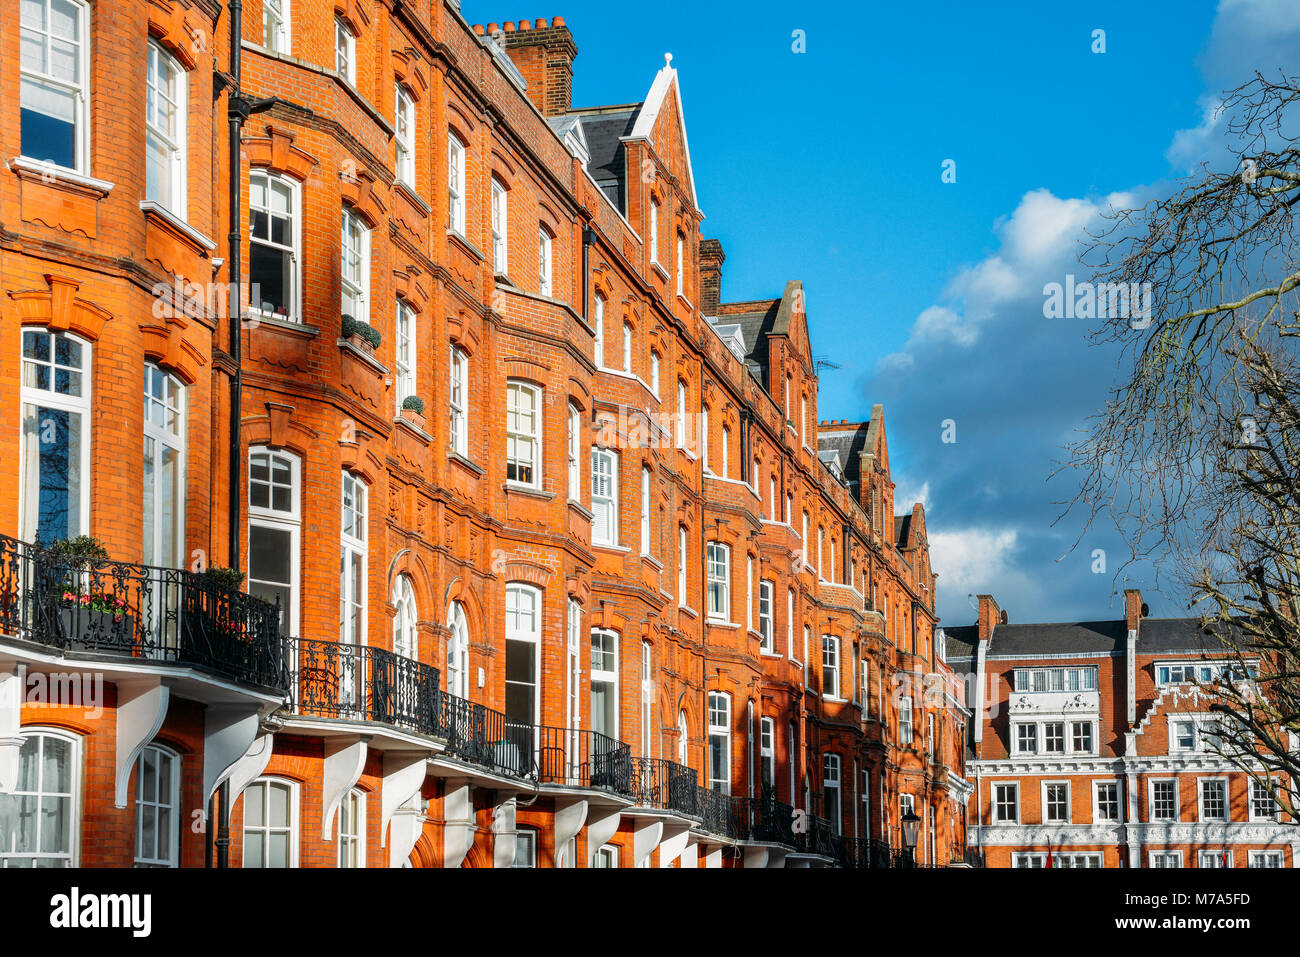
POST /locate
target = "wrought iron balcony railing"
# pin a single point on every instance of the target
(820, 838)
(582, 758)
(141, 612)
(334, 679)
(660, 783)
(764, 819)
(716, 812)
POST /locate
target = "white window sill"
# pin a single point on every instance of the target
(771, 654)
(533, 490)
(722, 623)
(611, 547)
(150, 208)
(49, 172)
(689, 610)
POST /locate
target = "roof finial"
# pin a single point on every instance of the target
(668, 60)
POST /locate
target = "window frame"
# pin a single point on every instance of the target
(279, 520)
(293, 307)
(458, 408)
(605, 507)
(174, 398)
(1045, 789)
(74, 796)
(719, 703)
(359, 286)
(177, 94)
(998, 802)
(406, 633)
(766, 618)
(457, 650)
(1151, 800)
(831, 667)
(608, 677)
(500, 200)
(351, 843)
(265, 782)
(405, 135)
(283, 25)
(718, 558)
(456, 152)
(345, 52)
(80, 91)
(1097, 816)
(545, 262)
(520, 387)
(1225, 797)
(406, 326)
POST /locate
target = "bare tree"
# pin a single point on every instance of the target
(1196, 455)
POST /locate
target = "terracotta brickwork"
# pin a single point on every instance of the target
(510, 287)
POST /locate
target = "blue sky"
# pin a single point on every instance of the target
(826, 166)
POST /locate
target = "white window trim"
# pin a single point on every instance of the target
(994, 820)
(356, 545)
(723, 614)
(283, 41)
(294, 306)
(532, 637)
(457, 650)
(171, 801)
(1151, 803)
(359, 837)
(404, 373)
(294, 816)
(177, 202)
(404, 108)
(608, 503)
(767, 623)
(81, 124)
(407, 645)
(645, 510)
(457, 412)
(1096, 802)
(500, 228)
(290, 521)
(1258, 855)
(1250, 805)
(682, 562)
(456, 151)
(1151, 856)
(349, 49)
(1201, 782)
(76, 757)
(1203, 853)
(545, 261)
(361, 288)
(177, 442)
(722, 731)
(536, 435)
(833, 695)
(1042, 797)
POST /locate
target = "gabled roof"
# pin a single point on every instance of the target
(847, 444)
(758, 319)
(665, 80)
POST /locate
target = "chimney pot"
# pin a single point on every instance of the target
(557, 21)
(493, 29)
(477, 28)
(541, 24)
(544, 55)
(510, 26)
(525, 24)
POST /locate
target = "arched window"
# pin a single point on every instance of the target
(271, 823)
(55, 456)
(405, 639)
(157, 807)
(352, 829)
(164, 468)
(40, 819)
(457, 651)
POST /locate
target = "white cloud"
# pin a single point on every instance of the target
(906, 496)
(1190, 147)
(974, 560)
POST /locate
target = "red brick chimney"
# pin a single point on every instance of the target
(1134, 609)
(711, 259)
(990, 615)
(544, 53)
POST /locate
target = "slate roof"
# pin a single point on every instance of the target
(603, 128)
(1156, 636)
(849, 444)
(902, 526)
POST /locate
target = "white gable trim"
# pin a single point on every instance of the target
(649, 114)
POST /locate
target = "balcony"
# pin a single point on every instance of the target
(716, 813)
(330, 679)
(139, 614)
(667, 785)
(765, 820)
(570, 757)
(864, 853)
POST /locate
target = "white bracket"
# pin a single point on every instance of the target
(11, 742)
(228, 733)
(602, 824)
(458, 823)
(676, 838)
(345, 758)
(141, 710)
(644, 840)
(503, 833)
(250, 767)
(569, 817)
(756, 857)
(404, 773)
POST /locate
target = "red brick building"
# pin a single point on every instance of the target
(1094, 746)
(548, 558)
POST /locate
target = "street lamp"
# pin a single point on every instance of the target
(910, 825)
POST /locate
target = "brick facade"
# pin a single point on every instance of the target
(416, 710)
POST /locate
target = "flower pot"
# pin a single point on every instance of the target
(88, 629)
(362, 343)
(415, 418)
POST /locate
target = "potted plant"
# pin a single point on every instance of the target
(361, 334)
(92, 607)
(413, 410)
(211, 616)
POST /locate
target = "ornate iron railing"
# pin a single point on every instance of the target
(820, 838)
(142, 612)
(660, 783)
(716, 812)
(582, 758)
(333, 679)
(764, 819)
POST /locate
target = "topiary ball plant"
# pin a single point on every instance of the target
(355, 327)
(227, 578)
(83, 548)
(414, 403)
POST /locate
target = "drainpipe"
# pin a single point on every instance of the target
(588, 237)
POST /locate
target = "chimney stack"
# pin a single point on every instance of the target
(990, 616)
(1134, 610)
(544, 53)
(711, 259)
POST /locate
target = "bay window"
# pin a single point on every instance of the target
(345, 52)
(765, 626)
(275, 25)
(830, 666)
